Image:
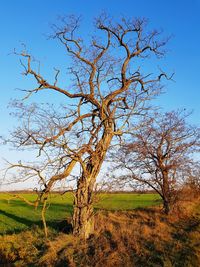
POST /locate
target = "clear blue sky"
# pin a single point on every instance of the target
(29, 21)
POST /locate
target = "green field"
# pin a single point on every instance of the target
(16, 215)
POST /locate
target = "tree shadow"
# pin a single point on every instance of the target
(183, 247)
(25, 221)
(64, 226)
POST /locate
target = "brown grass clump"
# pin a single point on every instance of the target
(62, 247)
(21, 249)
(143, 237)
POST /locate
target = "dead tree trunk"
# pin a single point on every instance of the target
(83, 216)
(83, 221)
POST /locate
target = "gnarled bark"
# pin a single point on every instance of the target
(83, 220)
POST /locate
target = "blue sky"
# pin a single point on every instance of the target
(29, 22)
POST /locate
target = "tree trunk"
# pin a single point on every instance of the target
(83, 220)
(166, 206)
(166, 193)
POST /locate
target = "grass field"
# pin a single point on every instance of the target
(16, 215)
(124, 236)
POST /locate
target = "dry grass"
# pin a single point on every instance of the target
(21, 249)
(143, 237)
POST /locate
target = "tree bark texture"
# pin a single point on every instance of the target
(83, 221)
(83, 216)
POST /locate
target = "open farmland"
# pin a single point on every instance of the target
(16, 215)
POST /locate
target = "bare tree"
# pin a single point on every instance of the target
(108, 88)
(191, 188)
(160, 154)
